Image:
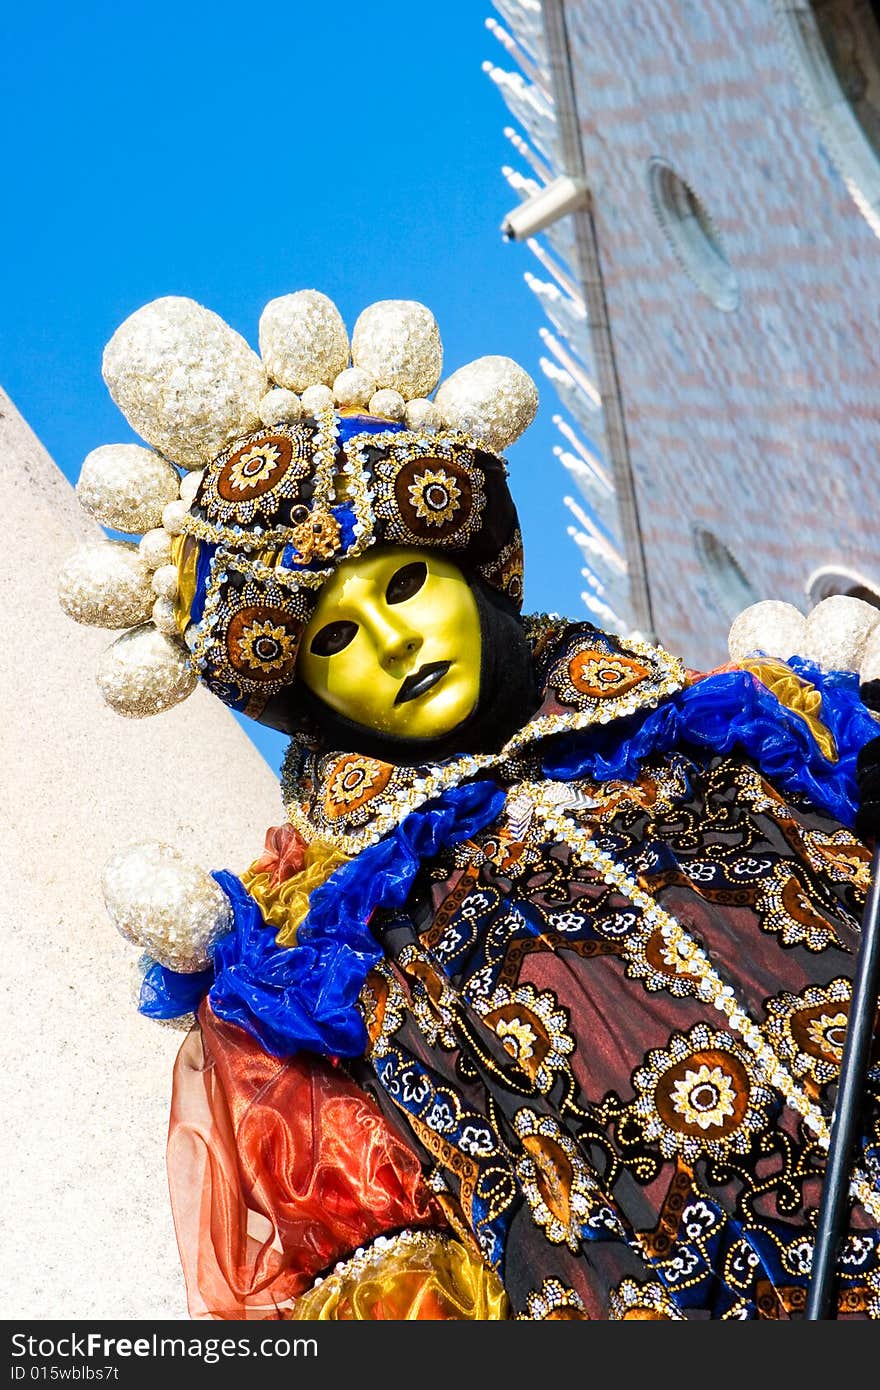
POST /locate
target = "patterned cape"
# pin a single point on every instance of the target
(601, 1024)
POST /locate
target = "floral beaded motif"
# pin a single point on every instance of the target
(256, 492)
(427, 490)
(690, 958)
(527, 1062)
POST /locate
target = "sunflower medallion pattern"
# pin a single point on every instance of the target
(668, 1157)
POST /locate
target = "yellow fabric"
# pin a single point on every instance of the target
(798, 695)
(415, 1275)
(284, 905)
(185, 555)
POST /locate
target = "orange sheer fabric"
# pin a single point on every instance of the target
(276, 1171)
(284, 854)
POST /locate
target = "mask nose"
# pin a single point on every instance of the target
(398, 648)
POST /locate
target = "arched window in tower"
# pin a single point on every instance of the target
(730, 586)
(692, 235)
(840, 579)
(835, 47)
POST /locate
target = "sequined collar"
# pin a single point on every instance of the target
(587, 676)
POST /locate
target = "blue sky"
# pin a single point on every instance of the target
(233, 153)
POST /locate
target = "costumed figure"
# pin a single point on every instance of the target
(533, 1008)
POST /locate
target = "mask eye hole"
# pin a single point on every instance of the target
(332, 638)
(406, 581)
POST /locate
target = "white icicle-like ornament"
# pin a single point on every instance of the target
(769, 628)
(492, 399)
(183, 379)
(106, 584)
(170, 907)
(145, 672)
(837, 631)
(126, 486)
(303, 340)
(397, 343)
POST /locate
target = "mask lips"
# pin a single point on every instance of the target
(509, 693)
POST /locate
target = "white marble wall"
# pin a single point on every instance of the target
(86, 1227)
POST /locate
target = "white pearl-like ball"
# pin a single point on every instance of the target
(387, 404)
(164, 582)
(397, 343)
(106, 584)
(303, 340)
(183, 379)
(492, 399)
(164, 617)
(126, 486)
(145, 672)
(279, 406)
(353, 387)
(155, 548)
(189, 485)
(869, 666)
(316, 398)
(159, 900)
(837, 631)
(420, 414)
(772, 628)
(172, 516)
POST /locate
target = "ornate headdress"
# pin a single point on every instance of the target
(265, 472)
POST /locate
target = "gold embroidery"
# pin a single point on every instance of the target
(695, 961)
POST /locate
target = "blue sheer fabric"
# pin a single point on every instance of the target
(734, 711)
(305, 996)
(347, 426)
(169, 994)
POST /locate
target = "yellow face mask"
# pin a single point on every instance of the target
(394, 643)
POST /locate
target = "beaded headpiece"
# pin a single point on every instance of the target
(265, 472)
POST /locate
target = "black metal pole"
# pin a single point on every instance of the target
(853, 1067)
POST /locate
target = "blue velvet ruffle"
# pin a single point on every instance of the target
(305, 996)
(734, 711)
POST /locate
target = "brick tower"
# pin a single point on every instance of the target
(700, 184)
